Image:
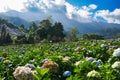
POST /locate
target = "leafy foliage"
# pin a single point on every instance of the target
(67, 56)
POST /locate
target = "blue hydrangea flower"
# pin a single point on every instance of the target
(67, 73)
(1, 58)
(90, 59)
(96, 62)
(31, 66)
(45, 60)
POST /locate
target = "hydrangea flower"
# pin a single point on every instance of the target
(116, 65)
(90, 52)
(77, 63)
(53, 66)
(23, 73)
(32, 61)
(84, 49)
(96, 62)
(67, 73)
(116, 52)
(103, 46)
(38, 67)
(7, 61)
(91, 59)
(93, 74)
(45, 60)
(31, 66)
(113, 47)
(1, 58)
(21, 56)
(93, 44)
(66, 58)
(78, 48)
(60, 57)
(50, 41)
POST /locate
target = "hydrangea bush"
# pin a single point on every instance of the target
(82, 60)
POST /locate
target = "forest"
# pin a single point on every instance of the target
(48, 31)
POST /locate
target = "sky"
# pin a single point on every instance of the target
(79, 10)
(102, 4)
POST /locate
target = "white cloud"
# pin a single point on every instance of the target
(59, 2)
(61, 7)
(6, 5)
(45, 5)
(82, 15)
(92, 6)
(110, 17)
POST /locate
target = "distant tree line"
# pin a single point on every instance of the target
(110, 32)
(92, 37)
(47, 31)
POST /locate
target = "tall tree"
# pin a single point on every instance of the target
(73, 34)
(22, 26)
(46, 29)
(46, 23)
(58, 31)
(41, 33)
(33, 26)
(50, 31)
(21, 39)
(3, 34)
(23, 29)
(31, 38)
(8, 39)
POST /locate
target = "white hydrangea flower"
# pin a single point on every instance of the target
(103, 46)
(93, 74)
(116, 52)
(23, 73)
(116, 65)
(77, 63)
(66, 58)
(77, 49)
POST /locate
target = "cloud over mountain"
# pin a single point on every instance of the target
(82, 14)
(110, 17)
(58, 9)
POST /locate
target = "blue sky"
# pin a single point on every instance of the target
(78, 10)
(102, 4)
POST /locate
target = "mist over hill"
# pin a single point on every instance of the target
(19, 18)
(10, 27)
(108, 30)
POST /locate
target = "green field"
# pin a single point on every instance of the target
(82, 60)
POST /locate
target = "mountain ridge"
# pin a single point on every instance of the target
(11, 28)
(92, 27)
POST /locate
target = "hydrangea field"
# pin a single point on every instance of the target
(82, 60)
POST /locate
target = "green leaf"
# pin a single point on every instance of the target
(44, 71)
